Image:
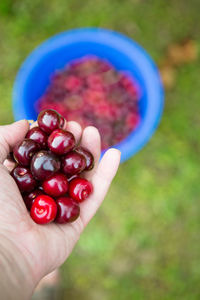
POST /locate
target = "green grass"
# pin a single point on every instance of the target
(144, 241)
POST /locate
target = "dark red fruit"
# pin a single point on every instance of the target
(80, 189)
(24, 151)
(49, 120)
(56, 185)
(44, 164)
(73, 83)
(43, 210)
(30, 198)
(61, 141)
(62, 121)
(88, 156)
(68, 210)
(73, 163)
(37, 135)
(24, 179)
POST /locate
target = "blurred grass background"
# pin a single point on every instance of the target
(144, 241)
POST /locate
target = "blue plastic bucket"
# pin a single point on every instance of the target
(125, 54)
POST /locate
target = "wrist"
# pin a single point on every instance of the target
(16, 281)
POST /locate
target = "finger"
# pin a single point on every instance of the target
(101, 181)
(91, 141)
(9, 164)
(10, 135)
(74, 128)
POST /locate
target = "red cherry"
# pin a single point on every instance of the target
(56, 185)
(132, 120)
(80, 189)
(68, 210)
(49, 120)
(73, 163)
(30, 198)
(73, 83)
(93, 97)
(44, 164)
(61, 141)
(88, 156)
(62, 121)
(74, 103)
(24, 151)
(95, 82)
(24, 179)
(43, 210)
(37, 135)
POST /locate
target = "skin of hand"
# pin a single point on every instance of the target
(29, 251)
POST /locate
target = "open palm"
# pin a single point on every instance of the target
(44, 248)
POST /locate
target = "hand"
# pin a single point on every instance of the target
(30, 250)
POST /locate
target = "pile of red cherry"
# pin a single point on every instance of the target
(92, 92)
(49, 165)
